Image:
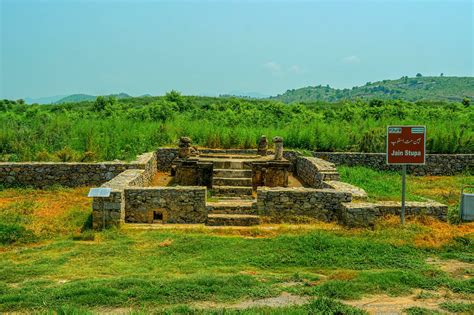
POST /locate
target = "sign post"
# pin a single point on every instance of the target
(406, 145)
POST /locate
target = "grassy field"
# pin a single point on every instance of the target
(57, 264)
(387, 185)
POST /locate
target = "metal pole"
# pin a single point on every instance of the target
(404, 179)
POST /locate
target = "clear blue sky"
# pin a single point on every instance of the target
(203, 47)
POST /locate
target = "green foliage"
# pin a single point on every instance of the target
(456, 307)
(332, 307)
(111, 128)
(416, 310)
(11, 233)
(466, 102)
(454, 215)
(66, 155)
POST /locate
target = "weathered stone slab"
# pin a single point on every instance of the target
(356, 192)
(314, 171)
(232, 207)
(232, 220)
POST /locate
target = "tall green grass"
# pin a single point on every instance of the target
(122, 129)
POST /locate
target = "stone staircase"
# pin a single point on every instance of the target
(233, 202)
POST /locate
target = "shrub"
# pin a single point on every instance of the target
(89, 156)
(66, 155)
(456, 307)
(329, 306)
(415, 310)
(44, 156)
(454, 217)
(12, 233)
(87, 235)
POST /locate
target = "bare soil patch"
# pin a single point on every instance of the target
(162, 179)
(455, 268)
(285, 299)
(384, 304)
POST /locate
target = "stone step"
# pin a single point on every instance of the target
(232, 220)
(231, 207)
(231, 191)
(234, 198)
(229, 156)
(224, 181)
(236, 164)
(233, 173)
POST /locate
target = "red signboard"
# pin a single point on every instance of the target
(406, 144)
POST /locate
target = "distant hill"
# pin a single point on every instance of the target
(74, 98)
(405, 88)
(44, 100)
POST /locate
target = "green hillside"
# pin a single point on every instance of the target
(75, 98)
(405, 88)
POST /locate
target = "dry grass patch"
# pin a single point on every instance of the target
(445, 189)
(46, 213)
(260, 231)
(428, 232)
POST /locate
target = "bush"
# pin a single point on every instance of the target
(455, 307)
(454, 217)
(84, 236)
(44, 156)
(12, 233)
(329, 306)
(66, 155)
(89, 156)
(415, 310)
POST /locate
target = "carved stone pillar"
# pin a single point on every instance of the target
(262, 146)
(278, 142)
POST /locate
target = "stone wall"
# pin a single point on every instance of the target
(44, 174)
(174, 204)
(322, 204)
(149, 164)
(110, 211)
(313, 171)
(436, 164)
(193, 173)
(364, 214)
(165, 158)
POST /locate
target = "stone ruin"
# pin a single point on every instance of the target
(216, 187)
(266, 171)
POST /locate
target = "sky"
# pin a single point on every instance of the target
(215, 47)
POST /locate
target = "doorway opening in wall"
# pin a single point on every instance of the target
(157, 217)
